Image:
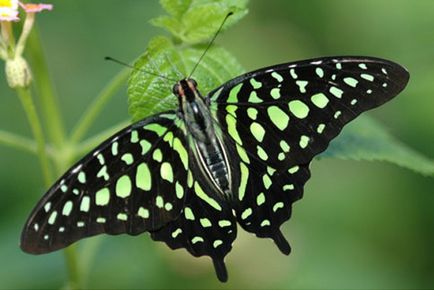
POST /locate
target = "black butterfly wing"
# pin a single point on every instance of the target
(282, 116)
(133, 182)
(203, 229)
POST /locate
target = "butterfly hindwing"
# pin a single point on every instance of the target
(133, 182)
(207, 225)
(282, 116)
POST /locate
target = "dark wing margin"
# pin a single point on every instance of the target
(131, 183)
(282, 116)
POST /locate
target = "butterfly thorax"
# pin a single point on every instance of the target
(209, 150)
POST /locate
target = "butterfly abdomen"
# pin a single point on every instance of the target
(216, 163)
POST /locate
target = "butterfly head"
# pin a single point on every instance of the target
(186, 90)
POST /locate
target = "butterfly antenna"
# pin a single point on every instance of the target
(142, 70)
(210, 43)
(174, 67)
(155, 67)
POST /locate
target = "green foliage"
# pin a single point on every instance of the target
(193, 21)
(149, 94)
(367, 139)
(359, 225)
(196, 21)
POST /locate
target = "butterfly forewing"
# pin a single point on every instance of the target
(133, 182)
(282, 116)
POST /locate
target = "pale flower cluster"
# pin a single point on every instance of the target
(18, 73)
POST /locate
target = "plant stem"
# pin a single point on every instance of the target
(92, 112)
(92, 142)
(49, 102)
(16, 141)
(56, 133)
(32, 116)
(74, 282)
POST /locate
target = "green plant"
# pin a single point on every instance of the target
(366, 140)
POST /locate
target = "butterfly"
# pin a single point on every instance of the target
(238, 155)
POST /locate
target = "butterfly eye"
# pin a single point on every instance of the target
(193, 82)
(175, 90)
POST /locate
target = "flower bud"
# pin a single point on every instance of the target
(18, 72)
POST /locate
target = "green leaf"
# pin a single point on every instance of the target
(366, 139)
(171, 24)
(201, 22)
(197, 22)
(149, 94)
(175, 7)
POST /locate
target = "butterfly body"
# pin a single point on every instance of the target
(238, 155)
(209, 151)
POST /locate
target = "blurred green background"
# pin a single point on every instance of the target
(360, 224)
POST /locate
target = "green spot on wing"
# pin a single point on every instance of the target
(277, 76)
(232, 128)
(279, 118)
(145, 146)
(304, 141)
(260, 199)
(134, 136)
(82, 177)
(144, 213)
(261, 153)
(159, 202)
(176, 233)
(166, 171)
(224, 223)
(201, 194)
(157, 155)
(336, 92)
(123, 186)
(143, 177)
(179, 147)
(128, 158)
(156, 128)
(122, 217)
(196, 239)
(188, 213)
(351, 81)
(52, 218)
(179, 190)
(242, 153)
(253, 98)
(320, 100)
(246, 213)
(257, 131)
(255, 84)
(252, 113)
(275, 93)
(299, 109)
(302, 86)
(233, 94)
(277, 205)
(85, 204)
(267, 181)
(206, 223)
(102, 196)
(367, 77)
(217, 243)
(243, 182)
(67, 208)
